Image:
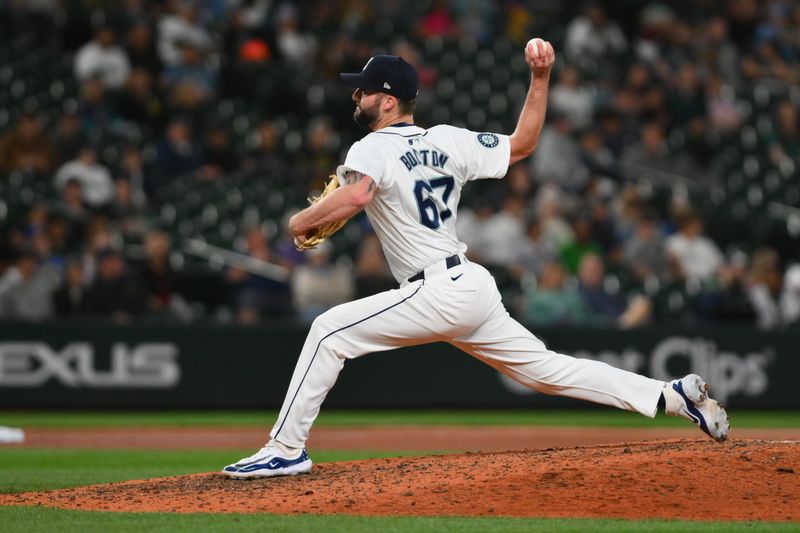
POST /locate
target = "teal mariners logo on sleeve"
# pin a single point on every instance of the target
(489, 140)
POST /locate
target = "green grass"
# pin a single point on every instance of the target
(596, 418)
(24, 470)
(27, 519)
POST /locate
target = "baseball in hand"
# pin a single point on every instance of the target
(539, 54)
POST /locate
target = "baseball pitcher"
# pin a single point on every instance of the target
(409, 180)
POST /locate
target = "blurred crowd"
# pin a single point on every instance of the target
(574, 236)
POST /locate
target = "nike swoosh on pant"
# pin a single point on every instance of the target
(455, 278)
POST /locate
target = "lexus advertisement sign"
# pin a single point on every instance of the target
(91, 366)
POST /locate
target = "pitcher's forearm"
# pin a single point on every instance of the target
(531, 119)
(341, 204)
(540, 56)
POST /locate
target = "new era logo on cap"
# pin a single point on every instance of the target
(388, 74)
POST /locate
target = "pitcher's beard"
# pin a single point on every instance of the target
(365, 117)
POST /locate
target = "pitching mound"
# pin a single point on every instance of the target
(689, 479)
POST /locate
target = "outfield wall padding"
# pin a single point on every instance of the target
(176, 366)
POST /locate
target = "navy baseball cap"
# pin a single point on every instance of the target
(386, 74)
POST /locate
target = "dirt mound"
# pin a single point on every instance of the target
(689, 479)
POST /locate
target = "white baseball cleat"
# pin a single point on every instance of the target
(270, 461)
(688, 397)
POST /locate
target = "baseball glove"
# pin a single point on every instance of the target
(319, 234)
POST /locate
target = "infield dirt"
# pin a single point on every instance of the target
(687, 479)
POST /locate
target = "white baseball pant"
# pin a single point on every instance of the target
(462, 306)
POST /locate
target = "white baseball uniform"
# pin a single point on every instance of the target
(419, 175)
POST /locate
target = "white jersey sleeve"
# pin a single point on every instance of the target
(478, 155)
(362, 157)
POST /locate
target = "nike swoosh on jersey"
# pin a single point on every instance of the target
(455, 278)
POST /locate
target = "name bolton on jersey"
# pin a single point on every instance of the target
(428, 158)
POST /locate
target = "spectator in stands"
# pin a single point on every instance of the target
(652, 155)
(58, 233)
(177, 153)
(680, 47)
(179, 27)
(320, 284)
(471, 228)
(633, 97)
(266, 158)
(628, 206)
(190, 78)
(603, 226)
(35, 220)
(614, 134)
(68, 299)
(591, 36)
(778, 73)
(715, 50)
(69, 138)
(95, 179)
(43, 248)
(550, 303)
(321, 146)
(723, 113)
(249, 17)
(371, 271)
(285, 251)
(476, 19)
(297, 48)
(571, 99)
(765, 287)
(692, 256)
(643, 253)
(256, 296)
(558, 155)
(784, 142)
(27, 147)
(101, 58)
(582, 243)
(157, 275)
(128, 216)
(508, 222)
(790, 297)
(99, 236)
(599, 160)
(687, 103)
(72, 210)
(549, 204)
(608, 306)
(140, 102)
(219, 156)
(116, 292)
(727, 299)
(742, 16)
(535, 251)
(131, 168)
(657, 22)
(519, 183)
(96, 112)
(140, 47)
(438, 21)
(26, 288)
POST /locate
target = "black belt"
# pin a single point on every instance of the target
(451, 261)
